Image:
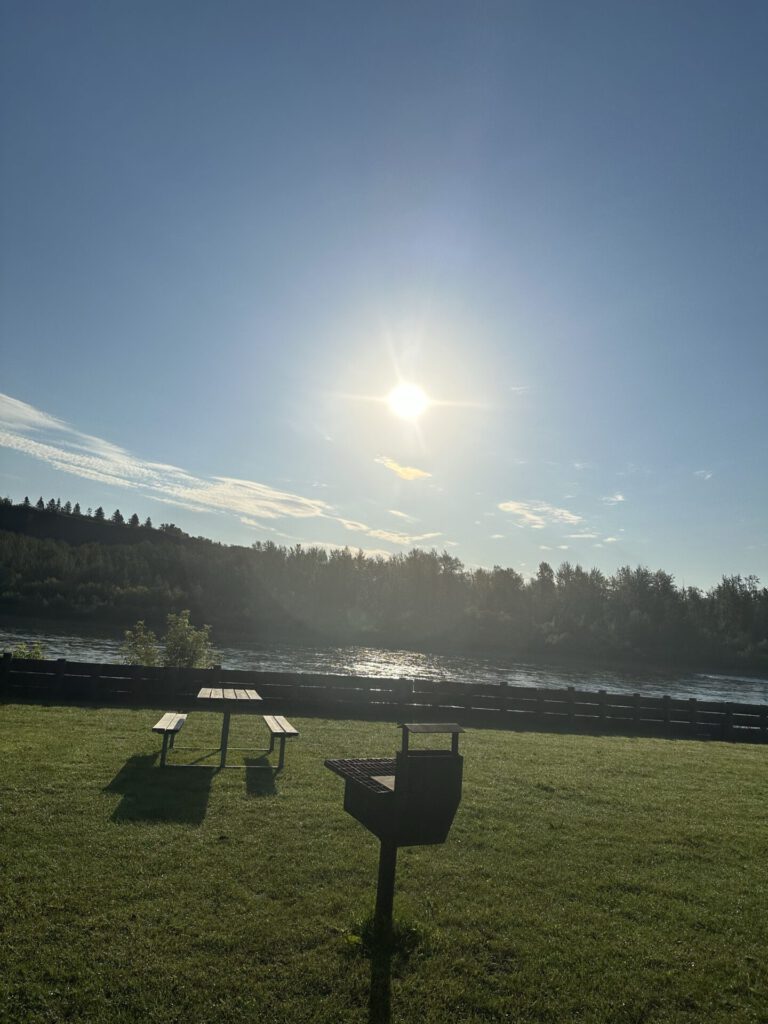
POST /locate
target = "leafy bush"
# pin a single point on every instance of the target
(183, 646)
(33, 651)
(140, 646)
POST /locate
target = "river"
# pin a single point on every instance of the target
(375, 661)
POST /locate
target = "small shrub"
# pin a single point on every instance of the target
(33, 651)
(186, 646)
(140, 646)
(182, 646)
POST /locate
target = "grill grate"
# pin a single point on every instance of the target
(362, 769)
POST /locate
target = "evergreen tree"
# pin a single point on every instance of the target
(51, 506)
(134, 520)
(40, 504)
(76, 509)
(117, 518)
(27, 503)
(68, 508)
(58, 504)
(147, 523)
(89, 513)
(99, 513)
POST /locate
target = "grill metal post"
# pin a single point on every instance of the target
(385, 891)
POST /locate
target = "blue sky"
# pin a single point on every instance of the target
(228, 229)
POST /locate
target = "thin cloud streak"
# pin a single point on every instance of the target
(538, 514)
(404, 472)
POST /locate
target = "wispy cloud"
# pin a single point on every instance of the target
(610, 540)
(582, 536)
(402, 538)
(353, 524)
(613, 499)
(497, 536)
(404, 472)
(703, 474)
(32, 432)
(538, 514)
(403, 515)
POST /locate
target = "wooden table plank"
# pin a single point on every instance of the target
(252, 695)
(230, 695)
(241, 695)
(204, 693)
(216, 694)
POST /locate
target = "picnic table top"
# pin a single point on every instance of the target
(227, 694)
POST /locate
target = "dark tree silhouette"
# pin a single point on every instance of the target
(117, 518)
(99, 513)
(134, 520)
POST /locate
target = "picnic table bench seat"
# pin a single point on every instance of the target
(170, 724)
(279, 729)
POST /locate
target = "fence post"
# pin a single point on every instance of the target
(540, 707)
(727, 732)
(601, 698)
(58, 687)
(93, 685)
(5, 671)
(571, 709)
(692, 711)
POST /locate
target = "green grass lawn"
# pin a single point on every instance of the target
(585, 879)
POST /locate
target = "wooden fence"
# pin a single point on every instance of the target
(490, 705)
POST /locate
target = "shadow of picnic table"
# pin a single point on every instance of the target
(153, 795)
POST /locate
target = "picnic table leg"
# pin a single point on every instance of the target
(224, 739)
(281, 758)
(164, 751)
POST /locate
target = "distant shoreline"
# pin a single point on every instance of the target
(635, 665)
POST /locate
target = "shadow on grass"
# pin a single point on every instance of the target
(405, 942)
(160, 794)
(259, 777)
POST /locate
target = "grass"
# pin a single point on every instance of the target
(585, 879)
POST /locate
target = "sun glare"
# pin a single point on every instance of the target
(407, 401)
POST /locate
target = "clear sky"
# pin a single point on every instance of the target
(228, 230)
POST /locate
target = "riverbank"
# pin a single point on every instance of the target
(70, 639)
(384, 663)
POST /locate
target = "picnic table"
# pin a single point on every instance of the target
(227, 700)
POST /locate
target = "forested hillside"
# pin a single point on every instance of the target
(421, 599)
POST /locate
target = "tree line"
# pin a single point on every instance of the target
(422, 599)
(55, 506)
(66, 521)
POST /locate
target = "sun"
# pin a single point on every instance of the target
(408, 401)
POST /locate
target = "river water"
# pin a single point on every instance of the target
(381, 662)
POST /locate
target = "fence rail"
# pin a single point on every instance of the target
(498, 706)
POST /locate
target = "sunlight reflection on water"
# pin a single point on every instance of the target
(374, 661)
